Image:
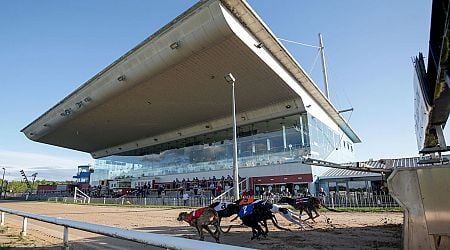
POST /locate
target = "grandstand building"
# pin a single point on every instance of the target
(162, 111)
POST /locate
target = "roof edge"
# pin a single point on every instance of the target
(310, 86)
(159, 32)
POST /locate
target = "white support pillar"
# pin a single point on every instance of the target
(66, 238)
(24, 226)
(231, 80)
(2, 221)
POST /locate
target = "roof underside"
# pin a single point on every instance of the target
(158, 93)
(187, 94)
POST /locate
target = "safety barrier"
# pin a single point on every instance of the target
(355, 199)
(358, 199)
(168, 242)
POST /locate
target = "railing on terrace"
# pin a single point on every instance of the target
(227, 195)
(80, 196)
(168, 242)
(276, 155)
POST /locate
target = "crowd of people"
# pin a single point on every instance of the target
(216, 185)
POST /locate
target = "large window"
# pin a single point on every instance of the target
(323, 139)
(270, 142)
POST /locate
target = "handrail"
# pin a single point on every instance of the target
(126, 234)
(229, 190)
(78, 192)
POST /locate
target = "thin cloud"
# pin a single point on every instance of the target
(52, 166)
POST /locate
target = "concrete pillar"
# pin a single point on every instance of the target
(423, 193)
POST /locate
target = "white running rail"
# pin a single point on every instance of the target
(168, 242)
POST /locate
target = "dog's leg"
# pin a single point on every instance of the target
(211, 233)
(254, 232)
(317, 213)
(199, 230)
(217, 226)
(310, 216)
(194, 224)
(264, 223)
(290, 216)
(260, 231)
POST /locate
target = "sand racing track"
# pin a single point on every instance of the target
(360, 230)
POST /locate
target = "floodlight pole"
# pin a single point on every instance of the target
(231, 80)
(3, 181)
(324, 66)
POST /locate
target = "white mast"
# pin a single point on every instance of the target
(324, 66)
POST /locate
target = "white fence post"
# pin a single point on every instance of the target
(104, 200)
(24, 226)
(66, 238)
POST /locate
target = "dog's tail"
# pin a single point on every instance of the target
(227, 230)
(330, 209)
(237, 216)
(229, 227)
(274, 221)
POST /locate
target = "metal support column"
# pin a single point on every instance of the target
(66, 238)
(231, 80)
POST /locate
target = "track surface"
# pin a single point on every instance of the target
(346, 230)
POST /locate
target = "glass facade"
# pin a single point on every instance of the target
(323, 139)
(276, 141)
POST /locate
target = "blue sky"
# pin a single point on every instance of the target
(49, 48)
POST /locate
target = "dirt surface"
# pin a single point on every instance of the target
(345, 230)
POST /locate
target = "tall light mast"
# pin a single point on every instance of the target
(324, 66)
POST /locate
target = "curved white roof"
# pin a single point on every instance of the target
(171, 86)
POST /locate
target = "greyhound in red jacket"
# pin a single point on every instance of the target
(201, 219)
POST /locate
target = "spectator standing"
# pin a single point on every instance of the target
(213, 189)
(185, 198)
(195, 189)
(227, 187)
(163, 196)
(218, 189)
(322, 195)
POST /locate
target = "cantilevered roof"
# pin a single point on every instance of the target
(171, 86)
